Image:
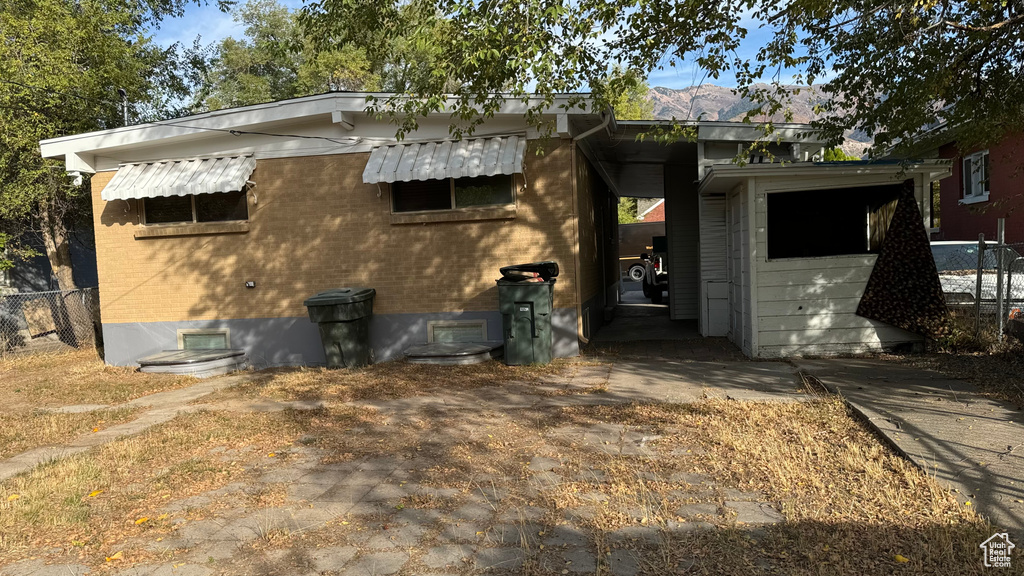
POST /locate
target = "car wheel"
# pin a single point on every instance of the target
(646, 288)
(636, 273)
(656, 295)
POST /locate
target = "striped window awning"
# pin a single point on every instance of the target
(179, 177)
(445, 159)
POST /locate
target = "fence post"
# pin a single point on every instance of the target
(977, 289)
(1000, 256)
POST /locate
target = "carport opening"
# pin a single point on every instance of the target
(816, 223)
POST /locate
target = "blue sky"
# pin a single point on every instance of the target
(213, 25)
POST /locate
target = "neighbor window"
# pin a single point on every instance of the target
(451, 193)
(813, 223)
(203, 339)
(193, 208)
(975, 176)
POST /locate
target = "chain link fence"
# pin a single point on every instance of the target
(983, 284)
(32, 322)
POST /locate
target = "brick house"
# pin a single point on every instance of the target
(216, 227)
(985, 185)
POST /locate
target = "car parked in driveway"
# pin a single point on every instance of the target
(957, 263)
(655, 281)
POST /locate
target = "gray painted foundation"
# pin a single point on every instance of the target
(296, 341)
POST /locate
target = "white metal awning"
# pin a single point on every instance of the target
(179, 177)
(446, 159)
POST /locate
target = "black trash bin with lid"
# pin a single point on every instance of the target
(526, 300)
(344, 318)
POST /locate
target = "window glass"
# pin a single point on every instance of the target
(204, 341)
(814, 223)
(458, 332)
(420, 195)
(483, 191)
(169, 209)
(221, 207)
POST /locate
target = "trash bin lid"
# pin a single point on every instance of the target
(547, 270)
(340, 296)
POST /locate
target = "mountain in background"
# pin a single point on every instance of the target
(718, 103)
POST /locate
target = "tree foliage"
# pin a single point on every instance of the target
(837, 155)
(61, 62)
(634, 101)
(893, 69)
(275, 61)
(627, 210)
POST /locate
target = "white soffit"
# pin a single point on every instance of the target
(446, 159)
(179, 177)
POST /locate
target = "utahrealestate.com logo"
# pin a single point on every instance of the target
(997, 550)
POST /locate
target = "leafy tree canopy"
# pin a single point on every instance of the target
(893, 68)
(61, 62)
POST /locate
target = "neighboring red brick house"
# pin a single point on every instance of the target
(993, 189)
(655, 213)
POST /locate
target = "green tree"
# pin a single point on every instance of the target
(837, 155)
(60, 64)
(275, 61)
(633, 100)
(627, 210)
(893, 69)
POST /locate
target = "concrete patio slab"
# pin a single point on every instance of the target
(970, 442)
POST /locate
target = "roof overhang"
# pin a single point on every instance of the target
(336, 115)
(723, 177)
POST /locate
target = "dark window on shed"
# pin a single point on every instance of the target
(813, 223)
(420, 195)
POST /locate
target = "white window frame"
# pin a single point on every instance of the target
(974, 178)
(184, 331)
(432, 324)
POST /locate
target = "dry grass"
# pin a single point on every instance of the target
(388, 380)
(74, 377)
(86, 505)
(850, 504)
(999, 373)
(28, 430)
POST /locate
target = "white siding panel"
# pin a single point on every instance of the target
(714, 262)
(808, 306)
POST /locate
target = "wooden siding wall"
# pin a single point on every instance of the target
(714, 257)
(682, 228)
(807, 306)
(740, 275)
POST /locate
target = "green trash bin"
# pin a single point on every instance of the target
(526, 307)
(343, 315)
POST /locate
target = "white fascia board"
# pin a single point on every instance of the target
(189, 127)
(726, 175)
(204, 125)
(741, 132)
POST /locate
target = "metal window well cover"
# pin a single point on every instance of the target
(453, 353)
(445, 159)
(198, 363)
(179, 177)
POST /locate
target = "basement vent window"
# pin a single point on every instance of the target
(816, 223)
(451, 193)
(204, 339)
(196, 208)
(457, 331)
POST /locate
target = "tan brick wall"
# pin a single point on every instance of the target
(317, 226)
